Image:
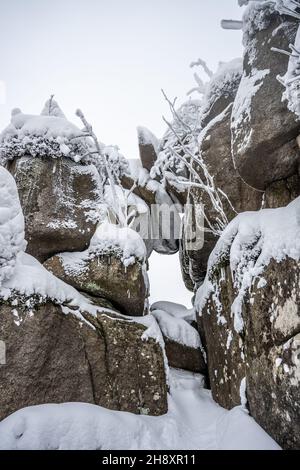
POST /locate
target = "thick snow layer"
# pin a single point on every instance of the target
(108, 240)
(250, 241)
(256, 18)
(175, 310)
(194, 421)
(12, 241)
(52, 135)
(44, 135)
(177, 329)
(32, 280)
(52, 108)
(223, 83)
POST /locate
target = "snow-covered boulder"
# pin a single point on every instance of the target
(163, 232)
(60, 200)
(112, 267)
(11, 225)
(61, 352)
(249, 319)
(236, 196)
(148, 147)
(221, 90)
(182, 342)
(263, 129)
(60, 346)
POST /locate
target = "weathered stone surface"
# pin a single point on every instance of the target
(106, 276)
(281, 193)
(184, 357)
(59, 199)
(148, 145)
(216, 153)
(266, 352)
(264, 133)
(142, 191)
(54, 358)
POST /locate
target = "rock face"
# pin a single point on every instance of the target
(148, 146)
(281, 193)
(182, 342)
(54, 358)
(263, 129)
(249, 319)
(184, 357)
(59, 199)
(104, 276)
(215, 149)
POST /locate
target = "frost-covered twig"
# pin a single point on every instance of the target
(187, 152)
(105, 165)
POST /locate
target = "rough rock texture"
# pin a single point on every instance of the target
(54, 358)
(156, 197)
(266, 352)
(142, 191)
(216, 153)
(59, 199)
(147, 148)
(106, 276)
(281, 193)
(263, 129)
(184, 357)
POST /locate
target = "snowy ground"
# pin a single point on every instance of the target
(194, 421)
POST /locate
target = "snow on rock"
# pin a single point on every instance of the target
(45, 135)
(113, 268)
(175, 310)
(193, 421)
(177, 329)
(12, 241)
(250, 242)
(194, 115)
(224, 83)
(146, 137)
(52, 108)
(31, 280)
(52, 135)
(125, 242)
(241, 111)
(190, 114)
(257, 17)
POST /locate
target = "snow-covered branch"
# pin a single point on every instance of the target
(185, 151)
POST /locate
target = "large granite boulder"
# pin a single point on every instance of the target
(113, 267)
(215, 149)
(103, 359)
(59, 346)
(60, 200)
(249, 319)
(182, 342)
(104, 276)
(148, 147)
(264, 131)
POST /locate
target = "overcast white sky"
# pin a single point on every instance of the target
(110, 58)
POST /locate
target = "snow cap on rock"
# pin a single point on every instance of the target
(12, 241)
